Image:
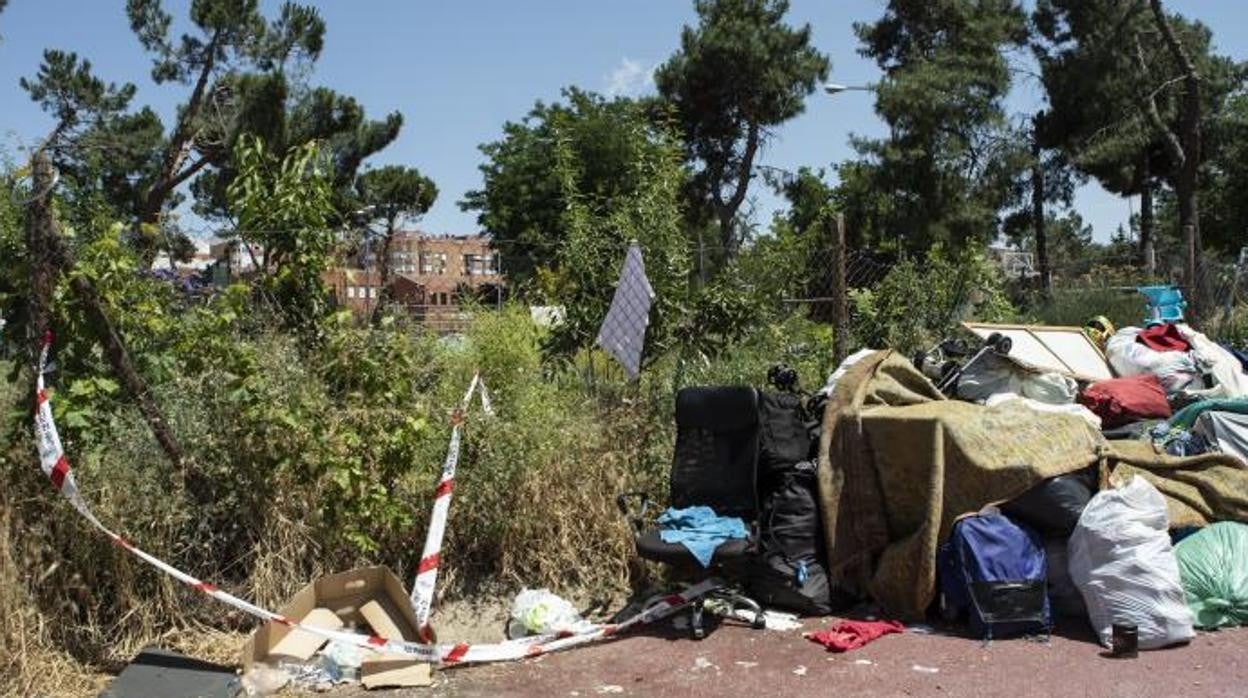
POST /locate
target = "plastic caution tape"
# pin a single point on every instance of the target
(56, 467)
(427, 568)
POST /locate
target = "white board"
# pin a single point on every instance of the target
(1064, 349)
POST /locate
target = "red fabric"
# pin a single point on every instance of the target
(1163, 338)
(852, 634)
(1120, 401)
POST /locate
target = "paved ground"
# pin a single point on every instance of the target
(734, 660)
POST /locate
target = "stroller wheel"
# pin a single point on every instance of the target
(1003, 345)
(919, 358)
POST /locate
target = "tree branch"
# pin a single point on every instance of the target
(1149, 105)
(1172, 41)
(162, 189)
(179, 143)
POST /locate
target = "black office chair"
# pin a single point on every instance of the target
(715, 465)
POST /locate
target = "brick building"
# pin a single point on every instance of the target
(427, 273)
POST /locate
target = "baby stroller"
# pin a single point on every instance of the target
(942, 362)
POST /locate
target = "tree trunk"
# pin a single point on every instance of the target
(1037, 214)
(727, 210)
(50, 257)
(39, 228)
(180, 142)
(1187, 181)
(383, 293)
(1147, 253)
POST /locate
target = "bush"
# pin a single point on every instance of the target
(919, 303)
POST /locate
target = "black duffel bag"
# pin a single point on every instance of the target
(788, 571)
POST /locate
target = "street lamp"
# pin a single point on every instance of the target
(835, 88)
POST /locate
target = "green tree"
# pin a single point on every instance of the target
(739, 73)
(806, 232)
(1121, 98)
(1224, 179)
(599, 226)
(68, 89)
(522, 203)
(392, 195)
(951, 160)
(283, 203)
(235, 64)
(263, 105)
(229, 36)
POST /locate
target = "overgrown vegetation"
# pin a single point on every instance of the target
(313, 439)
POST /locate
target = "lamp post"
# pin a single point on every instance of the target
(840, 287)
(833, 88)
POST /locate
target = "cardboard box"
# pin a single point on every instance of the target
(301, 644)
(345, 594)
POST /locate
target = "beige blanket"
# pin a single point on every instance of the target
(899, 464)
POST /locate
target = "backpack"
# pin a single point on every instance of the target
(788, 570)
(784, 439)
(995, 570)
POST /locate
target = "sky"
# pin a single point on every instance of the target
(457, 71)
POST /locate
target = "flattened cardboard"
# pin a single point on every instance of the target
(380, 614)
(301, 644)
(345, 594)
(394, 671)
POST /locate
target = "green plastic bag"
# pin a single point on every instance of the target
(1213, 564)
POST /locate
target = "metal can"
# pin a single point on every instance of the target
(1126, 641)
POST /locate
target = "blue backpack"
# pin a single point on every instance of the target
(995, 570)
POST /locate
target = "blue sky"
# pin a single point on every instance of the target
(458, 70)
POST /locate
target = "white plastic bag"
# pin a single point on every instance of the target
(1122, 561)
(1228, 374)
(1175, 369)
(537, 612)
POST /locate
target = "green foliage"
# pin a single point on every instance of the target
(951, 159)
(1223, 208)
(523, 204)
(236, 65)
(920, 302)
(601, 224)
(268, 106)
(1096, 89)
(395, 192)
(66, 88)
(725, 114)
(284, 204)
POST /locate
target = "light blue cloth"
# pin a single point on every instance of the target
(700, 530)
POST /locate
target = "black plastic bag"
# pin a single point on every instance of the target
(1053, 507)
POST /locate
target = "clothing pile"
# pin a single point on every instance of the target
(1024, 494)
(1191, 396)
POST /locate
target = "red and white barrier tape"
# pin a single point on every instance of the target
(427, 569)
(55, 465)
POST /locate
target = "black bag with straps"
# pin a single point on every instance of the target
(788, 571)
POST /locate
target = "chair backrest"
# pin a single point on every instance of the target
(717, 441)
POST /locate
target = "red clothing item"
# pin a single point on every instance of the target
(1163, 338)
(852, 634)
(1120, 401)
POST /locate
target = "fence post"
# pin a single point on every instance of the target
(840, 293)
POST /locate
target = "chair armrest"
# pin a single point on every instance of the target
(636, 517)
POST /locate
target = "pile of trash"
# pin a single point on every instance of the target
(1094, 473)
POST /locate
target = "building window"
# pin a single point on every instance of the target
(350, 292)
(433, 263)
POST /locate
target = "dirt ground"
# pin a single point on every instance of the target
(735, 660)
